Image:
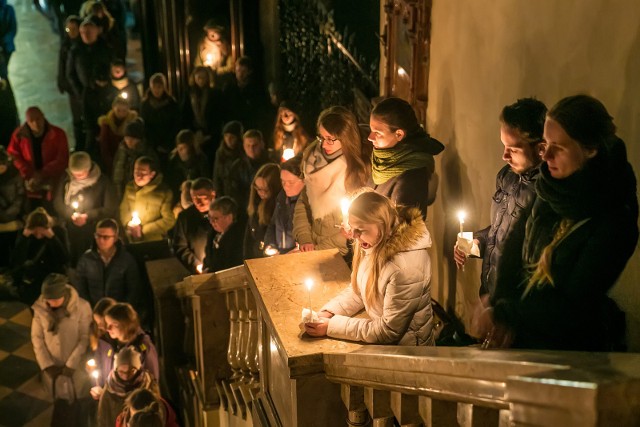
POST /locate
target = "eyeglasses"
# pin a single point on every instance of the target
(329, 141)
(104, 236)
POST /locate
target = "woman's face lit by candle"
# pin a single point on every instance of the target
(80, 175)
(114, 328)
(287, 116)
(262, 188)
(368, 235)
(382, 136)
(563, 154)
(330, 143)
(291, 184)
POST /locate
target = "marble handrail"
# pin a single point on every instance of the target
(469, 386)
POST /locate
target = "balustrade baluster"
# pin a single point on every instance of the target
(436, 412)
(353, 398)
(405, 409)
(378, 404)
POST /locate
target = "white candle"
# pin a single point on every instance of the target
(345, 203)
(135, 219)
(461, 217)
(271, 251)
(95, 374)
(309, 284)
(288, 153)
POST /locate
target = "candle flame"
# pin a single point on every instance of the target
(75, 205)
(91, 362)
(95, 374)
(271, 251)
(124, 95)
(345, 203)
(135, 219)
(288, 153)
(461, 216)
(309, 284)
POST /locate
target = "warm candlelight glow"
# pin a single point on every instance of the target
(271, 251)
(199, 268)
(135, 219)
(124, 95)
(461, 216)
(288, 153)
(209, 59)
(75, 205)
(345, 203)
(309, 284)
(95, 374)
(91, 363)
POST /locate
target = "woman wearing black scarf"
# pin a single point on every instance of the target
(552, 288)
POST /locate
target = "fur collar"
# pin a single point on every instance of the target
(410, 234)
(110, 120)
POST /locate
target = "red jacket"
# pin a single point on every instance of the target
(55, 153)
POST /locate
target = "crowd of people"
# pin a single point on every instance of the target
(221, 176)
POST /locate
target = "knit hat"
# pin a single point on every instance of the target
(79, 161)
(135, 129)
(54, 286)
(128, 356)
(234, 127)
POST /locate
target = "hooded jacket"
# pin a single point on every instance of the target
(154, 203)
(68, 346)
(402, 315)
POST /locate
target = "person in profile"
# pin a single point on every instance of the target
(224, 243)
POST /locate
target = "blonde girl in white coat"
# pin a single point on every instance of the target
(391, 278)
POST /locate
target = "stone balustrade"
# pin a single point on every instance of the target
(415, 386)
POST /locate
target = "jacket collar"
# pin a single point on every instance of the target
(410, 234)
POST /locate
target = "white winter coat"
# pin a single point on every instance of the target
(69, 345)
(403, 313)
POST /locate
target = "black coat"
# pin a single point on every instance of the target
(161, 122)
(227, 252)
(573, 313)
(240, 179)
(179, 171)
(12, 195)
(190, 238)
(280, 231)
(119, 280)
(514, 196)
(222, 168)
(83, 63)
(253, 246)
(33, 259)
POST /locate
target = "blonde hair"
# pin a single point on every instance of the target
(372, 208)
(264, 208)
(541, 270)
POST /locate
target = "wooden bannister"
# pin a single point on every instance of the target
(416, 386)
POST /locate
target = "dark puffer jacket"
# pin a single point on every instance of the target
(574, 312)
(514, 196)
(119, 279)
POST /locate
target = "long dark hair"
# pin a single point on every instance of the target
(264, 208)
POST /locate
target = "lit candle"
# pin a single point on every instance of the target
(135, 219)
(288, 153)
(209, 59)
(91, 363)
(309, 284)
(124, 95)
(95, 374)
(75, 205)
(461, 216)
(199, 268)
(271, 251)
(345, 203)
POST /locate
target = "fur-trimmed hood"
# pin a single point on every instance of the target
(409, 235)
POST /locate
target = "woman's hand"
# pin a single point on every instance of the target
(307, 247)
(96, 392)
(326, 314)
(316, 329)
(459, 257)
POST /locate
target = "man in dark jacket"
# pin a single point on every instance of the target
(192, 226)
(71, 38)
(224, 243)
(521, 127)
(244, 169)
(108, 270)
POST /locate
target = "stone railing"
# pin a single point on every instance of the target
(221, 333)
(415, 386)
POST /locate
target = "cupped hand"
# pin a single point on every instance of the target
(318, 329)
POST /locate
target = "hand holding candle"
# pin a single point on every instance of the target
(287, 154)
(134, 225)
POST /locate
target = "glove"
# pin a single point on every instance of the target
(67, 371)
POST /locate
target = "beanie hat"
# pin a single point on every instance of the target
(79, 161)
(54, 286)
(135, 129)
(128, 356)
(234, 127)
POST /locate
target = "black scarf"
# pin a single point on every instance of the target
(604, 182)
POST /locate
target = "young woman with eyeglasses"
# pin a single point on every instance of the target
(262, 201)
(333, 165)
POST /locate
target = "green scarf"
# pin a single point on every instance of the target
(391, 162)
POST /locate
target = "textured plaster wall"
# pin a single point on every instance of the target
(486, 54)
